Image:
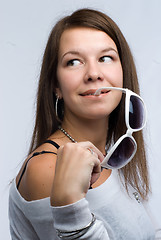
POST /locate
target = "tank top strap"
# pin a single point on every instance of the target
(53, 143)
(36, 154)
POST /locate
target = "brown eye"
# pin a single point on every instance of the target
(73, 62)
(105, 59)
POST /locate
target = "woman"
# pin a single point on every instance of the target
(61, 191)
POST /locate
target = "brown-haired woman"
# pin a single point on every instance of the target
(61, 190)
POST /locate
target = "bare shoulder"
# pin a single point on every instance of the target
(37, 180)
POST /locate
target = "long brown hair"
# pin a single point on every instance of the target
(136, 172)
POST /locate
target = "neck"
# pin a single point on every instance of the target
(94, 131)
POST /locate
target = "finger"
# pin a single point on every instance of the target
(92, 147)
(96, 171)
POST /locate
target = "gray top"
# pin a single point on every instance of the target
(119, 216)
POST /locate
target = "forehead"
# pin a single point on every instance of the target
(82, 38)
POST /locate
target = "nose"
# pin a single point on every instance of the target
(93, 72)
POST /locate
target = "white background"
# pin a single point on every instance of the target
(24, 29)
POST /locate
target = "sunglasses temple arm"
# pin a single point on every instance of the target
(98, 91)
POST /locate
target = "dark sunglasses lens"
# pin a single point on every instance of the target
(136, 113)
(122, 153)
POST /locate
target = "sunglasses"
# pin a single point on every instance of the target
(125, 147)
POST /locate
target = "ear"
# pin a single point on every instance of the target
(58, 93)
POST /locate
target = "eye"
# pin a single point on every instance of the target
(105, 59)
(73, 62)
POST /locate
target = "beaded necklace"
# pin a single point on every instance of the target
(67, 134)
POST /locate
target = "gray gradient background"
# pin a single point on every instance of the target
(25, 26)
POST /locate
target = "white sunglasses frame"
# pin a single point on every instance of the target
(129, 131)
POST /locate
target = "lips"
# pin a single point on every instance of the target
(92, 91)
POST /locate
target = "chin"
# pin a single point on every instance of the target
(97, 116)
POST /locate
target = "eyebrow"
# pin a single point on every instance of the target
(70, 52)
(109, 49)
(73, 52)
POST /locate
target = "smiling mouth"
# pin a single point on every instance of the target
(92, 92)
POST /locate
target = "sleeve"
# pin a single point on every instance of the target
(76, 216)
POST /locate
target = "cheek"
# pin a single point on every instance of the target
(63, 80)
(67, 82)
(117, 76)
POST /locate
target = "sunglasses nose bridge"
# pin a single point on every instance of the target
(129, 132)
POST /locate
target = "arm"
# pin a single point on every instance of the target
(69, 210)
(77, 216)
(76, 169)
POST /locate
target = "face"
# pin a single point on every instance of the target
(88, 59)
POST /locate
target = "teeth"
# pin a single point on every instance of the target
(94, 94)
(99, 92)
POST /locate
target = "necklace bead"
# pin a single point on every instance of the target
(67, 134)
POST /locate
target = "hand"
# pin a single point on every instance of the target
(76, 169)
